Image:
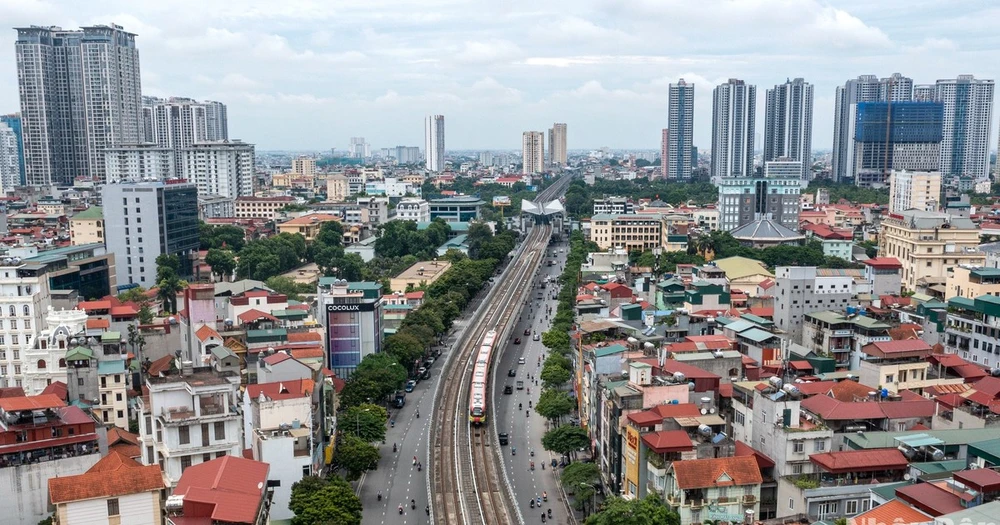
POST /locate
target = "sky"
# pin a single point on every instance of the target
(310, 74)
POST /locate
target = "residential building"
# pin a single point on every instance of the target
(788, 124)
(837, 242)
(10, 158)
(189, 417)
(95, 371)
(266, 208)
(743, 200)
(456, 209)
(865, 88)
(280, 430)
(215, 207)
(422, 273)
(359, 149)
(842, 336)
(415, 210)
(351, 313)
(927, 243)
(971, 282)
(892, 136)
(140, 162)
(177, 123)
(42, 438)
(557, 144)
(304, 166)
(80, 94)
(220, 168)
(664, 152)
(24, 296)
(897, 365)
(973, 329)
(407, 154)
(532, 152)
(169, 213)
(13, 121)
(798, 291)
(914, 190)
(87, 227)
(337, 188)
(391, 187)
(614, 205)
(307, 225)
(633, 232)
(885, 275)
(678, 161)
(434, 142)
(968, 115)
(734, 111)
(230, 489)
(725, 489)
(117, 489)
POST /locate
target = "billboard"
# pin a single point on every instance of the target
(501, 200)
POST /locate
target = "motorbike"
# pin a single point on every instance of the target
(400, 509)
(543, 517)
(532, 465)
(380, 496)
(532, 503)
(532, 453)
(413, 504)
(513, 451)
(545, 496)
(427, 509)
(550, 513)
(394, 448)
(420, 467)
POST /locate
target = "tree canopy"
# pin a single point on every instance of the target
(328, 501)
(356, 456)
(619, 511)
(565, 439)
(366, 421)
(553, 404)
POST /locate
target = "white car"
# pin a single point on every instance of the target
(535, 337)
(520, 360)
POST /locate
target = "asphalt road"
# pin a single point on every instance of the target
(526, 430)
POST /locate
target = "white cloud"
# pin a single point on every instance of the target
(487, 52)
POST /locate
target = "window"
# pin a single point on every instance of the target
(306, 471)
(41, 364)
(828, 508)
(26, 310)
(791, 504)
(220, 430)
(820, 445)
(851, 507)
(113, 507)
(205, 458)
(185, 462)
(798, 446)
(220, 454)
(13, 311)
(185, 436)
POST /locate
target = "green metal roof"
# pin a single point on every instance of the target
(290, 314)
(111, 367)
(888, 491)
(111, 337)
(938, 467)
(93, 212)
(986, 272)
(962, 302)
(985, 513)
(757, 335)
(263, 336)
(988, 449)
(966, 436)
(608, 350)
(756, 319)
(741, 325)
(221, 352)
(80, 353)
(371, 289)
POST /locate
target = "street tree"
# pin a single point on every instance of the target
(366, 421)
(360, 390)
(554, 375)
(553, 404)
(382, 368)
(565, 439)
(328, 501)
(356, 456)
(619, 511)
(221, 261)
(405, 347)
(557, 341)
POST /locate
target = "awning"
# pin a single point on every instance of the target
(919, 440)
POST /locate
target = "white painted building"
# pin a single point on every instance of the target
(23, 298)
(415, 210)
(44, 360)
(224, 167)
(137, 162)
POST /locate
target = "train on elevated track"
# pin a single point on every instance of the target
(480, 380)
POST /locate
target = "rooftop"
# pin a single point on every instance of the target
(848, 461)
(893, 511)
(114, 475)
(715, 472)
(227, 489)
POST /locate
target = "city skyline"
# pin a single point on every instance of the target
(395, 61)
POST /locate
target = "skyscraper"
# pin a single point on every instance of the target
(10, 164)
(557, 144)
(80, 93)
(664, 139)
(788, 123)
(892, 136)
(14, 123)
(224, 167)
(865, 88)
(178, 123)
(968, 114)
(734, 106)
(359, 149)
(680, 131)
(434, 142)
(532, 152)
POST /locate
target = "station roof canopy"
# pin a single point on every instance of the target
(542, 208)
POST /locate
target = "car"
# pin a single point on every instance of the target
(503, 438)
(527, 331)
(517, 340)
(520, 360)
(511, 373)
(410, 385)
(535, 337)
(507, 389)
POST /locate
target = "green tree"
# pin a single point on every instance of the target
(557, 341)
(553, 404)
(167, 266)
(405, 347)
(619, 511)
(135, 295)
(222, 262)
(222, 237)
(366, 421)
(360, 390)
(454, 256)
(288, 286)
(580, 479)
(424, 317)
(553, 375)
(565, 439)
(356, 456)
(328, 501)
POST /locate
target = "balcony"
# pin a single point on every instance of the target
(749, 499)
(696, 504)
(674, 499)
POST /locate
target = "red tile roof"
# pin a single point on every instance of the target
(276, 358)
(279, 390)
(742, 449)
(39, 402)
(253, 314)
(94, 324)
(830, 409)
(160, 366)
(716, 472)
(57, 388)
(309, 352)
(206, 332)
(860, 460)
(800, 365)
(304, 337)
(226, 489)
(761, 311)
(113, 475)
(124, 442)
(11, 391)
(898, 349)
(668, 441)
(930, 498)
(123, 311)
(884, 262)
(94, 305)
(692, 372)
(894, 511)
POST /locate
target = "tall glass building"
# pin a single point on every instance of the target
(896, 136)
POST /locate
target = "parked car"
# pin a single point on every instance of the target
(410, 385)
